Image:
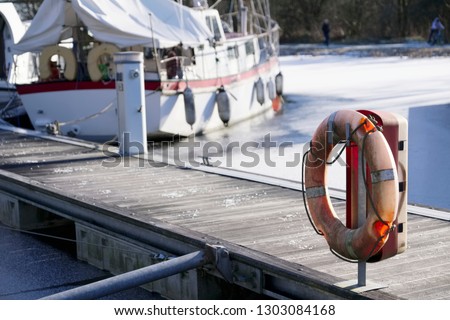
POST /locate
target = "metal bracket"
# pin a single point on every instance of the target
(248, 277)
(223, 263)
(355, 286)
(206, 161)
(220, 257)
(233, 272)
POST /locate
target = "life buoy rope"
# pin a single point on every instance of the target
(92, 60)
(70, 69)
(362, 243)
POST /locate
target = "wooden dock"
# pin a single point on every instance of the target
(132, 214)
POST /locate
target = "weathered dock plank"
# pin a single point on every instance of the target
(257, 217)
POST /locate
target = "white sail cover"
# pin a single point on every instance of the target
(159, 23)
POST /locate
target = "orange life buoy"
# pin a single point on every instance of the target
(367, 240)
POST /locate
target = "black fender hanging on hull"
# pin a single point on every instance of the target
(271, 89)
(279, 84)
(189, 106)
(260, 96)
(223, 105)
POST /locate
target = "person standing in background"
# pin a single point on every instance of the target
(435, 31)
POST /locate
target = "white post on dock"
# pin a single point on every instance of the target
(131, 103)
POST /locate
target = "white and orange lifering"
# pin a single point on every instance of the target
(93, 59)
(70, 69)
(362, 243)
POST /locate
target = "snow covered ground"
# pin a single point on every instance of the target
(417, 89)
(317, 85)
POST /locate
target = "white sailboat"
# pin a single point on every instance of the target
(205, 67)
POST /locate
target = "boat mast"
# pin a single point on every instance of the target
(155, 52)
(268, 19)
(243, 15)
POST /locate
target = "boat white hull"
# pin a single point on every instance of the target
(91, 113)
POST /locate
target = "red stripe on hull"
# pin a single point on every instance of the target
(54, 86)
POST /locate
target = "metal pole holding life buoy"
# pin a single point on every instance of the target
(362, 211)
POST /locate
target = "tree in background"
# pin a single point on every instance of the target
(302, 17)
(350, 20)
(358, 20)
(27, 8)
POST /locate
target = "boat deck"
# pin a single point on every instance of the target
(258, 222)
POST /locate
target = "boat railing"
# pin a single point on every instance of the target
(180, 59)
(259, 23)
